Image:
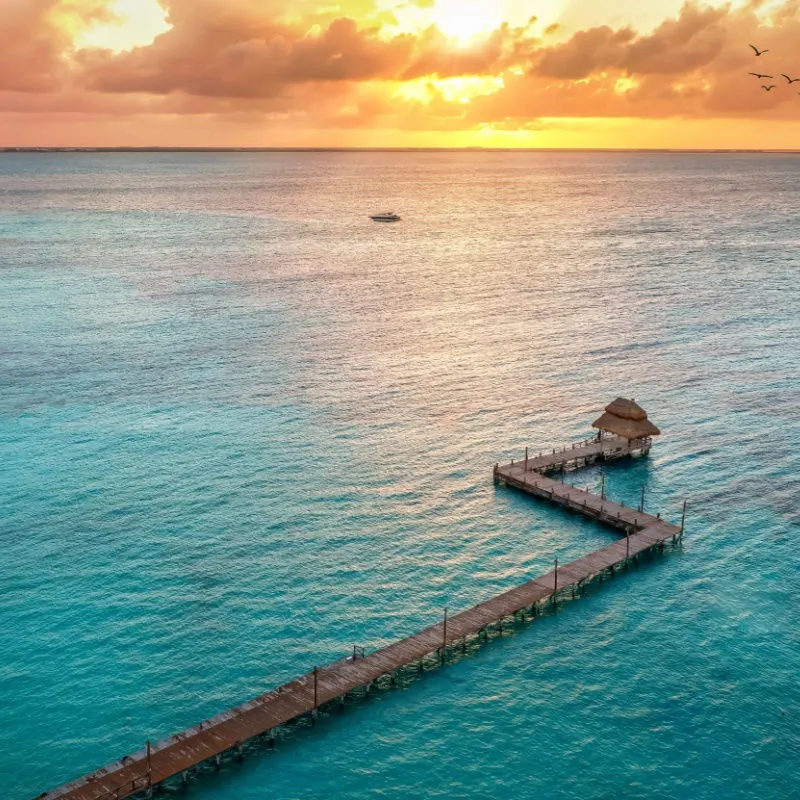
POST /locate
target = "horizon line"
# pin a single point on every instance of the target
(322, 149)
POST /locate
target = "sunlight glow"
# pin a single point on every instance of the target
(451, 90)
(625, 84)
(138, 23)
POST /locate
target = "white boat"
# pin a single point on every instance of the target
(387, 216)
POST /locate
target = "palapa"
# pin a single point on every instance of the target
(627, 419)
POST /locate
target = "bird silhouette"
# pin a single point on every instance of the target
(760, 76)
(788, 79)
(768, 88)
(757, 51)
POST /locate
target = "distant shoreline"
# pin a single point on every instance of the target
(655, 151)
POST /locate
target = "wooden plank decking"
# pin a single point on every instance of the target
(177, 754)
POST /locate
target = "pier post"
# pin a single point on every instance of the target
(444, 635)
(603, 486)
(627, 546)
(641, 504)
(683, 518)
(149, 772)
(316, 694)
(526, 459)
(217, 762)
(555, 581)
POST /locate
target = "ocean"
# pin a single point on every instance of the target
(243, 428)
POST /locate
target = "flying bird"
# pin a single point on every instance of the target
(768, 88)
(788, 79)
(759, 76)
(757, 51)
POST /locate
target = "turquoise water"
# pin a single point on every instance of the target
(243, 428)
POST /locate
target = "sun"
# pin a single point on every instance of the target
(466, 19)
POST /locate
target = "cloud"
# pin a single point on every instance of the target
(586, 52)
(30, 45)
(246, 61)
(344, 66)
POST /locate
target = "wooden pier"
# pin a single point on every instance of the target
(140, 772)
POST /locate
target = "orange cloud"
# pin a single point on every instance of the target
(693, 66)
(230, 62)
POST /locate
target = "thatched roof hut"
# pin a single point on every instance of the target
(627, 419)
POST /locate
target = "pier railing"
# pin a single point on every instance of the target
(127, 789)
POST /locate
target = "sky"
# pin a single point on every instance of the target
(399, 73)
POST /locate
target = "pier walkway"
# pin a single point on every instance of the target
(140, 772)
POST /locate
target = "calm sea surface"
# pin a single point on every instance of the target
(242, 428)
